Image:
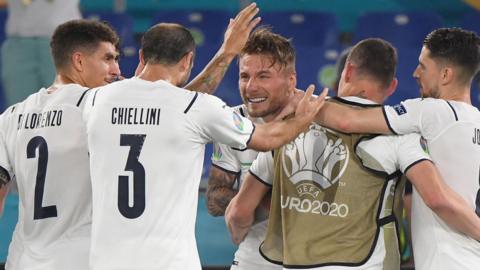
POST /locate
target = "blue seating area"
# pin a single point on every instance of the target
(303, 27)
(207, 26)
(316, 65)
(407, 86)
(400, 28)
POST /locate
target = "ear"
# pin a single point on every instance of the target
(348, 70)
(391, 88)
(141, 63)
(292, 82)
(187, 61)
(140, 57)
(448, 75)
(77, 61)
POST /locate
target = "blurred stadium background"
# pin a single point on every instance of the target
(320, 30)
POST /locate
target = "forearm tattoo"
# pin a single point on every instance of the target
(4, 178)
(220, 191)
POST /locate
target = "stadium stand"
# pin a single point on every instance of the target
(400, 28)
(207, 26)
(313, 28)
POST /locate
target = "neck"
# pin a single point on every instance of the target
(63, 79)
(461, 94)
(269, 118)
(363, 89)
(155, 72)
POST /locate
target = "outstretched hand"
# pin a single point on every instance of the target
(239, 29)
(310, 105)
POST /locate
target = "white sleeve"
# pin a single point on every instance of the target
(392, 153)
(216, 122)
(223, 157)
(425, 116)
(262, 168)
(5, 164)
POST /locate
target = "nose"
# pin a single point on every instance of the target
(115, 69)
(415, 72)
(251, 85)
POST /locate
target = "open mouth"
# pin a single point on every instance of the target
(257, 100)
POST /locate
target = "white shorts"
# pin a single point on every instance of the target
(248, 255)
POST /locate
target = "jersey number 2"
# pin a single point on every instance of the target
(135, 141)
(39, 211)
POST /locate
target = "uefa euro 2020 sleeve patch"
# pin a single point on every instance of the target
(424, 145)
(238, 121)
(217, 152)
(400, 109)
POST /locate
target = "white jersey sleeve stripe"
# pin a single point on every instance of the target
(260, 179)
(388, 122)
(415, 163)
(248, 141)
(191, 103)
(225, 170)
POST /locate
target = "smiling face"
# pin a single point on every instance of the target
(265, 89)
(428, 75)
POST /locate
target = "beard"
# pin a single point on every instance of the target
(433, 93)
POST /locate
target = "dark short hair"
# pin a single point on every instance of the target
(376, 58)
(166, 43)
(263, 41)
(339, 66)
(79, 35)
(455, 46)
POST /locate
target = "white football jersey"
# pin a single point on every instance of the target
(44, 147)
(452, 133)
(384, 154)
(146, 143)
(238, 162)
(231, 160)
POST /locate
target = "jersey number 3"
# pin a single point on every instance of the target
(39, 211)
(135, 141)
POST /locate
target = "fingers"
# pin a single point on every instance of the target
(247, 14)
(309, 92)
(324, 94)
(250, 11)
(321, 99)
(253, 23)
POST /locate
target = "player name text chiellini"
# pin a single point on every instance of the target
(135, 116)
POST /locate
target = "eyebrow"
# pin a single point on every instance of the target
(262, 72)
(112, 55)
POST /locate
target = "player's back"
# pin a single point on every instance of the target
(46, 152)
(146, 142)
(453, 138)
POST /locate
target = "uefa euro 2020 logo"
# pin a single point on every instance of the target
(317, 155)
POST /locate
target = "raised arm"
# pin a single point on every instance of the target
(239, 215)
(272, 135)
(220, 191)
(352, 120)
(445, 202)
(235, 38)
